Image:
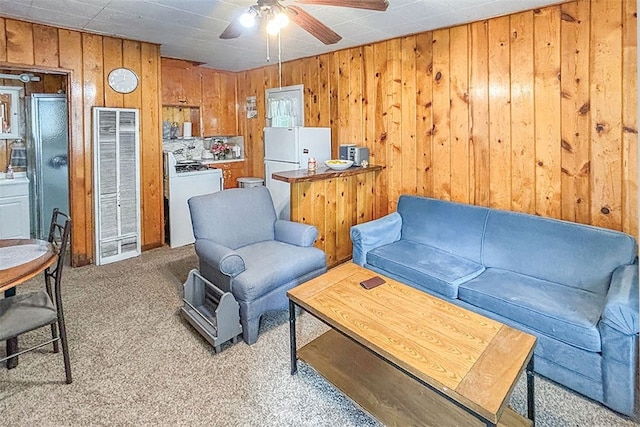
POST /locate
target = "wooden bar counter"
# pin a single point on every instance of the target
(333, 201)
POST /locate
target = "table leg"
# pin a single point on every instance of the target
(531, 413)
(12, 344)
(292, 337)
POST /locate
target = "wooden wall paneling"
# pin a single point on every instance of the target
(19, 42)
(93, 83)
(345, 215)
(365, 187)
(151, 152)
(45, 46)
(460, 145)
(522, 113)
(355, 134)
(379, 152)
(113, 54)
(441, 150)
(392, 108)
(3, 40)
(333, 66)
(344, 118)
(630, 118)
(322, 95)
(409, 164)
(575, 114)
(499, 114)
(547, 111)
(52, 83)
(330, 219)
(479, 99)
(424, 119)
(369, 113)
(606, 113)
(80, 182)
(310, 80)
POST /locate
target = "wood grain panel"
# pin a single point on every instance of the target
(19, 36)
(547, 111)
(151, 156)
(408, 127)
(575, 106)
(80, 181)
(112, 48)
(379, 153)
(3, 40)
(424, 119)
(630, 118)
(459, 91)
(606, 114)
(522, 113)
(441, 150)
(45, 46)
(500, 114)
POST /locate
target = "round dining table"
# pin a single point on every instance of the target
(21, 260)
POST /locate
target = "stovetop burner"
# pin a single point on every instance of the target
(190, 166)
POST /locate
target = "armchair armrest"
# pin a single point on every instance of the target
(295, 233)
(621, 306)
(370, 235)
(226, 260)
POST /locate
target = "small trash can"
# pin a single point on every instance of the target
(250, 181)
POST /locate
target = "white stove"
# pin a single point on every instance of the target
(183, 180)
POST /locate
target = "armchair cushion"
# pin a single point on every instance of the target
(272, 264)
(295, 233)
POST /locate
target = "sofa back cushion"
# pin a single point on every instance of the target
(234, 218)
(452, 227)
(575, 255)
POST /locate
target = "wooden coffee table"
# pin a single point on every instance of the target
(409, 358)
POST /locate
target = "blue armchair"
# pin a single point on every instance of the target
(244, 249)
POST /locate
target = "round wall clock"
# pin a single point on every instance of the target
(123, 80)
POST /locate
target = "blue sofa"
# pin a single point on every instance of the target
(574, 287)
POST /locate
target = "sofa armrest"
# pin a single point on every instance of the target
(372, 234)
(226, 260)
(621, 307)
(295, 233)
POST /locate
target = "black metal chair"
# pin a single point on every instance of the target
(26, 312)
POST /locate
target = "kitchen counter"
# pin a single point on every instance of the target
(302, 175)
(333, 201)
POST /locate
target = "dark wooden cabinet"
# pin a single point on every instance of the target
(231, 171)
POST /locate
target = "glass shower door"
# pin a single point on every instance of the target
(51, 166)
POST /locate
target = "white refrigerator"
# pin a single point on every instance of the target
(287, 149)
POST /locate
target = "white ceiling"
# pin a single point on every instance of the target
(189, 29)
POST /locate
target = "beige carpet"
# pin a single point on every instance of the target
(135, 361)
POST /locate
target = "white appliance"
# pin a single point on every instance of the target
(183, 180)
(288, 149)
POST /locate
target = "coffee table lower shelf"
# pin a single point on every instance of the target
(383, 390)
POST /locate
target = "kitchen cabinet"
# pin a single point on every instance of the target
(231, 171)
(14, 208)
(181, 83)
(219, 115)
(116, 184)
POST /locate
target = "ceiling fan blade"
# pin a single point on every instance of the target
(233, 30)
(310, 24)
(380, 5)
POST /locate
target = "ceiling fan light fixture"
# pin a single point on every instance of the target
(273, 27)
(281, 19)
(248, 19)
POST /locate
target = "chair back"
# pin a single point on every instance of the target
(234, 218)
(59, 233)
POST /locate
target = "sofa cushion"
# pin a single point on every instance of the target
(575, 255)
(567, 314)
(260, 276)
(453, 227)
(430, 267)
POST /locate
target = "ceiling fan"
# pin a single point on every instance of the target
(275, 15)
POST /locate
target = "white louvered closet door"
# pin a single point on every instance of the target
(116, 184)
